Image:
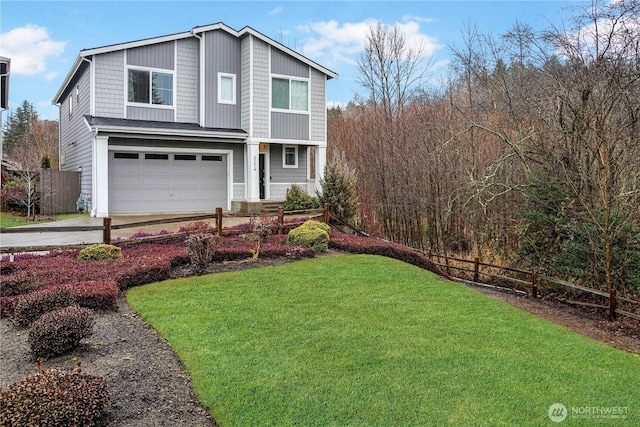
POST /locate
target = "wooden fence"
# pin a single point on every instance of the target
(59, 191)
(534, 284)
(107, 226)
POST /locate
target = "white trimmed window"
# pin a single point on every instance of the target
(289, 94)
(150, 87)
(290, 156)
(226, 88)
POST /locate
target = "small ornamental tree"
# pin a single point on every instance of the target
(339, 188)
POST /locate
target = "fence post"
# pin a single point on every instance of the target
(219, 221)
(534, 283)
(612, 304)
(280, 219)
(326, 213)
(476, 269)
(106, 232)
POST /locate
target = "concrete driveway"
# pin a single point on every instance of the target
(43, 238)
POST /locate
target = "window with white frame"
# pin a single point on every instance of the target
(226, 88)
(290, 156)
(289, 94)
(150, 87)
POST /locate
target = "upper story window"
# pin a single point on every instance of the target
(226, 88)
(150, 87)
(289, 94)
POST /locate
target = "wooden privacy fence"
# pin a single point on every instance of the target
(107, 226)
(59, 191)
(532, 283)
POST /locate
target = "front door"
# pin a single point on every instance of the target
(263, 175)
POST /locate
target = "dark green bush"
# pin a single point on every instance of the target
(297, 199)
(54, 398)
(31, 306)
(311, 234)
(18, 283)
(59, 331)
(100, 251)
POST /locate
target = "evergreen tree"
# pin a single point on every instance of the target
(18, 125)
(339, 188)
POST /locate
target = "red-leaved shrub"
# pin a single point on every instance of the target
(59, 331)
(31, 306)
(18, 283)
(373, 246)
(54, 398)
(95, 295)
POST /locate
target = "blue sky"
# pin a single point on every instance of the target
(43, 38)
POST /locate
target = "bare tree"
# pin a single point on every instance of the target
(27, 176)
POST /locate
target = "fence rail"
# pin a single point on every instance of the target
(532, 283)
(107, 227)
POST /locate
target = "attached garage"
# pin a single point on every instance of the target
(168, 182)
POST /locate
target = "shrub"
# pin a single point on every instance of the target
(96, 295)
(311, 234)
(372, 246)
(18, 283)
(55, 398)
(201, 248)
(31, 306)
(100, 251)
(146, 270)
(59, 331)
(298, 199)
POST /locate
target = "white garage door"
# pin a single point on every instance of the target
(166, 183)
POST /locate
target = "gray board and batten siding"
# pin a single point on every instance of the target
(222, 55)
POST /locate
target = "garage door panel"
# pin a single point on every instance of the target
(156, 183)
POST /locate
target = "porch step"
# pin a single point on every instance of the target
(271, 206)
(265, 206)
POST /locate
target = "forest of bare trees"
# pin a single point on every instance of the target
(529, 152)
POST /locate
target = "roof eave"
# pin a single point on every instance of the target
(67, 80)
(166, 132)
(270, 41)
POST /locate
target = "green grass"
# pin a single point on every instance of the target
(8, 219)
(365, 340)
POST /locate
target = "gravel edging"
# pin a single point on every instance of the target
(147, 383)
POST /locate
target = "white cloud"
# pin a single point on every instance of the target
(276, 11)
(332, 43)
(29, 47)
(408, 18)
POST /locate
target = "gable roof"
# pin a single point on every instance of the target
(85, 53)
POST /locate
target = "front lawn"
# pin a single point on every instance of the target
(367, 340)
(9, 219)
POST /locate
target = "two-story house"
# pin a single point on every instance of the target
(188, 122)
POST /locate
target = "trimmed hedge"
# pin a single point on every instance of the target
(59, 331)
(55, 398)
(373, 246)
(96, 295)
(21, 282)
(32, 306)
